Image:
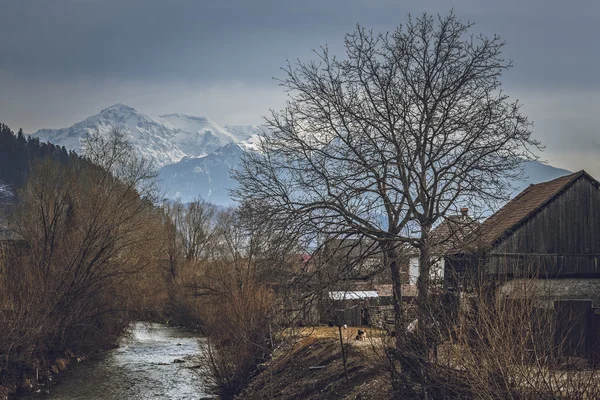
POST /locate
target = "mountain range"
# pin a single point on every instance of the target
(194, 155)
(166, 139)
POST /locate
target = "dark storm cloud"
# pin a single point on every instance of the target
(225, 39)
(135, 38)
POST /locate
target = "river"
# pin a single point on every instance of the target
(146, 365)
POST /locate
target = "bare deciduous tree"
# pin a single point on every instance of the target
(194, 225)
(88, 232)
(386, 142)
(113, 152)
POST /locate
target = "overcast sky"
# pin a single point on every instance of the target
(64, 60)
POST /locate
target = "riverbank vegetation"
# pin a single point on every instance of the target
(228, 271)
(89, 248)
(80, 261)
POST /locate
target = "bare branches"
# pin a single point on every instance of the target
(405, 130)
(113, 152)
(398, 132)
(193, 227)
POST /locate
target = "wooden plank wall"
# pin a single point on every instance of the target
(562, 239)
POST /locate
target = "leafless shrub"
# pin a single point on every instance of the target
(240, 334)
(528, 345)
(238, 292)
(524, 347)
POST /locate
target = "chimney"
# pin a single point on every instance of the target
(464, 211)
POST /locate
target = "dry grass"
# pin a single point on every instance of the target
(313, 369)
(489, 357)
(328, 332)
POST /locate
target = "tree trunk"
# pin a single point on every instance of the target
(423, 285)
(423, 282)
(391, 256)
(422, 341)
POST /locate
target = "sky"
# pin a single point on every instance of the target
(64, 60)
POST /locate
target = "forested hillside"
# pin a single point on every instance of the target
(18, 152)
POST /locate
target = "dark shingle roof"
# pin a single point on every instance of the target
(522, 207)
(452, 233)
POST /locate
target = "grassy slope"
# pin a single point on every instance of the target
(288, 376)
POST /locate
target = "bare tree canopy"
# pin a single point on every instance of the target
(113, 152)
(402, 127)
(387, 141)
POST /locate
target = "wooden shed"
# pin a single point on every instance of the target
(550, 230)
(543, 249)
(346, 307)
(351, 306)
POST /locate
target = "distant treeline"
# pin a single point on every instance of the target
(19, 151)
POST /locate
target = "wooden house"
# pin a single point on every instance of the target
(550, 230)
(446, 237)
(352, 259)
(542, 247)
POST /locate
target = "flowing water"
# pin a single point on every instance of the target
(146, 365)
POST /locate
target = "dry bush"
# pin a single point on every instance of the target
(83, 266)
(495, 347)
(238, 326)
(241, 309)
(228, 272)
(25, 322)
(185, 298)
(84, 233)
(188, 232)
(522, 348)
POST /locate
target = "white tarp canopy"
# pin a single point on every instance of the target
(353, 294)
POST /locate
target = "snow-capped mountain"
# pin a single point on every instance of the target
(166, 139)
(537, 172)
(207, 177)
(194, 154)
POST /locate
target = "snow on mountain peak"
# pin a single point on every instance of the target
(195, 154)
(184, 116)
(166, 139)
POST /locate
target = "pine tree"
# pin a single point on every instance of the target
(19, 152)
